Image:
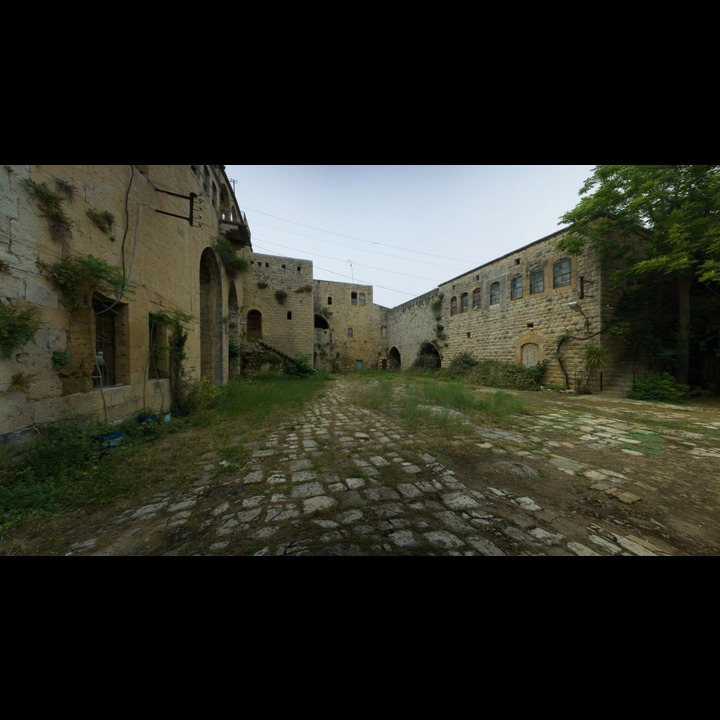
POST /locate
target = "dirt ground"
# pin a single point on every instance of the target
(646, 471)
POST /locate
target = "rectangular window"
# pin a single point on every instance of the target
(464, 302)
(362, 298)
(476, 299)
(349, 332)
(537, 281)
(561, 273)
(516, 287)
(289, 314)
(495, 293)
(353, 298)
(110, 362)
(453, 306)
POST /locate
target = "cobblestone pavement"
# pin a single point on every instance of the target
(387, 495)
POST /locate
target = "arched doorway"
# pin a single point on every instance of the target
(530, 354)
(394, 358)
(254, 324)
(429, 357)
(233, 333)
(211, 328)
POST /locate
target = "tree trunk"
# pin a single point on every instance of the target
(683, 365)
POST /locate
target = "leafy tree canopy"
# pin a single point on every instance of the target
(672, 210)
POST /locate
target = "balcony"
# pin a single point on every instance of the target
(237, 231)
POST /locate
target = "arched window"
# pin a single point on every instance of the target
(453, 306)
(349, 332)
(329, 300)
(561, 273)
(495, 293)
(537, 280)
(254, 324)
(353, 298)
(516, 287)
(464, 302)
(476, 299)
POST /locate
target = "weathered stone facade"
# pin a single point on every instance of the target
(163, 238)
(162, 223)
(350, 329)
(515, 309)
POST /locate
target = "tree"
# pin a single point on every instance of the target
(661, 221)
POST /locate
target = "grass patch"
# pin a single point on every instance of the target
(68, 470)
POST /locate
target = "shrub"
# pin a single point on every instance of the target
(462, 364)
(659, 387)
(281, 296)
(300, 368)
(233, 264)
(496, 373)
(200, 395)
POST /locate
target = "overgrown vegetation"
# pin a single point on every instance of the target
(70, 466)
(281, 296)
(495, 373)
(79, 278)
(52, 206)
(175, 320)
(659, 387)
(17, 327)
(233, 264)
(60, 358)
(20, 382)
(104, 220)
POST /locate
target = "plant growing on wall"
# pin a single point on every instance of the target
(77, 278)
(281, 296)
(20, 382)
(104, 220)
(17, 327)
(60, 358)
(175, 320)
(262, 284)
(233, 264)
(593, 359)
(305, 289)
(51, 205)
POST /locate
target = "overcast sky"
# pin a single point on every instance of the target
(404, 229)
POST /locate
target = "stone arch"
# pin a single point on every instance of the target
(211, 327)
(233, 333)
(394, 358)
(429, 356)
(529, 353)
(321, 322)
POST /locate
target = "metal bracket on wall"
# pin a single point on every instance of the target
(191, 197)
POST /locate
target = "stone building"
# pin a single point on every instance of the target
(152, 233)
(515, 309)
(172, 239)
(350, 329)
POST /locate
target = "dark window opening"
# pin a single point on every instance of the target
(289, 314)
(463, 302)
(495, 293)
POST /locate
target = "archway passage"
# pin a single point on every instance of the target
(321, 323)
(211, 328)
(393, 359)
(254, 324)
(428, 357)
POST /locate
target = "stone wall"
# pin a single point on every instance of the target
(159, 254)
(356, 336)
(281, 290)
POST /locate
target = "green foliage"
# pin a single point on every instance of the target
(281, 296)
(199, 396)
(51, 205)
(593, 359)
(17, 327)
(78, 278)
(659, 387)
(60, 358)
(305, 289)
(42, 478)
(495, 373)
(4, 267)
(300, 368)
(461, 365)
(262, 284)
(233, 264)
(20, 382)
(104, 220)
(234, 348)
(175, 320)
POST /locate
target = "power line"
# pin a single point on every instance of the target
(351, 237)
(327, 257)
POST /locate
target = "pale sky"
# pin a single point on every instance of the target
(404, 229)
